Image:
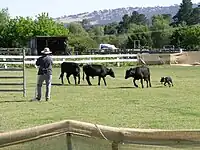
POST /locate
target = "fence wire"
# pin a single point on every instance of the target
(88, 143)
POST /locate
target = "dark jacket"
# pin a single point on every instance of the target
(45, 63)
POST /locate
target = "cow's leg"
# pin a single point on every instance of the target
(165, 83)
(79, 78)
(135, 83)
(74, 79)
(88, 80)
(141, 80)
(169, 84)
(68, 75)
(104, 80)
(61, 77)
(99, 80)
(149, 81)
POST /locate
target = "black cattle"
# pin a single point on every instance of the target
(70, 68)
(137, 73)
(166, 80)
(92, 70)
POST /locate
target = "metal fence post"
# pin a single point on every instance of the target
(115, 145)
(69, 141)
(24, 74)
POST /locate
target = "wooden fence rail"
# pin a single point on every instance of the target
(115, 135)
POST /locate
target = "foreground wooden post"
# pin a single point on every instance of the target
(115, 145)
(69, 141)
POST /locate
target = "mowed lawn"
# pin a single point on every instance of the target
(118, 104)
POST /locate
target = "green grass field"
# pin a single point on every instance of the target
(118, 104)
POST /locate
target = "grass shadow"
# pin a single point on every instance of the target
(133, 87)
(17, 101)
(59, 84)
(158, 86)
(56, 84)
(123, 87)
(127, 87)
(66, 84)
(162, 86)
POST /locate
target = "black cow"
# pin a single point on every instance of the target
(92, 70)
(166, 80)
(70, 68)
(137, 73)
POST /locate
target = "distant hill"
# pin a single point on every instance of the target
(115, 15)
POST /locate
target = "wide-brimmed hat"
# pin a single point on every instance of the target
(46, 51)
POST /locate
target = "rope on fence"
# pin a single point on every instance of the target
(101, 132)
(105, 136)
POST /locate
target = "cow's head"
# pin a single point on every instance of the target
(111, 72)
(130, 73)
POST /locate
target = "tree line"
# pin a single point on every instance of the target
(181, 30)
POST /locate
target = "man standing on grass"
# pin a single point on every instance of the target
(44, 63)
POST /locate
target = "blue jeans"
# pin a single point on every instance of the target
(40, 80)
